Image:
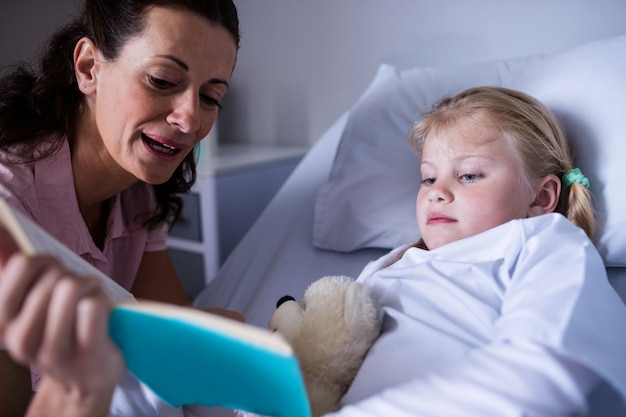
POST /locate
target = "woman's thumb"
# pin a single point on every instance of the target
(8, 246)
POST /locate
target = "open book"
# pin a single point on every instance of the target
(32, 239)
(184, 355)
(187, 356)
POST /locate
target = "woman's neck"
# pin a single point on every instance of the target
(97, 177)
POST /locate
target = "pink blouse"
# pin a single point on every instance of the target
(44, 191)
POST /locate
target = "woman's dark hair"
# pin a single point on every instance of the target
(43, 104)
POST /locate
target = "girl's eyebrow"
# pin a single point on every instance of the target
(185, 67)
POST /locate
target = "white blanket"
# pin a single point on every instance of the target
(519, 320)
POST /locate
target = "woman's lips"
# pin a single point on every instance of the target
(159, 148)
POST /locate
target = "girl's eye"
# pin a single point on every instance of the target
(160, 83)
(428, 181)
(470, 177)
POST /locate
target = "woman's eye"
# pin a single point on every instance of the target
(160, 83)
(210, 101)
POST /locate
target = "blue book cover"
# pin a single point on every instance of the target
(187, 357)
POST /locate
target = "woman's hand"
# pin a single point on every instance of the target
(57, 324)
(230, 314)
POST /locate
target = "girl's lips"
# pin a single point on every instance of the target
(437, 218)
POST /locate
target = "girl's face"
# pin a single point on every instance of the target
(471, 182)
(150, 106)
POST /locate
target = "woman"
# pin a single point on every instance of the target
(96, 146)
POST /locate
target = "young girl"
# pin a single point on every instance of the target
(503, 308)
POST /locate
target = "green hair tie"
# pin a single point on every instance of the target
(575, 176)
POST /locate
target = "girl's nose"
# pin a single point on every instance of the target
(439, 193)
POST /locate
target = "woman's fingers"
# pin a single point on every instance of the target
(25, 291)
(18, 276)
(7, 245)
(59, 344)
(57, 323)
(77, 348)
(61, 329)
(13, 288)
(229, 314)
(93, 337)
(93, 321)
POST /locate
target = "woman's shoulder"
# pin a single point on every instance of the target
(17, 175)
(22, 170)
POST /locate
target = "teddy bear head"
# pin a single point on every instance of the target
(330, 330)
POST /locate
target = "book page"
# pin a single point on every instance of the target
(33, 239)
(259, 336)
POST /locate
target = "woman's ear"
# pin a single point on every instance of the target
(547, 197)
(85, 65)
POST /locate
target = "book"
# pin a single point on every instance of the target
(185, 356)
(32, 239)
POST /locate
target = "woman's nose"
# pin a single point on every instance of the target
(186, 113)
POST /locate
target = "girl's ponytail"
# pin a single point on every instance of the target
(579, 205)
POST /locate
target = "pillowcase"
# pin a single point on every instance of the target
(369, 199)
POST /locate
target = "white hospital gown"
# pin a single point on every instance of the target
(517, 321)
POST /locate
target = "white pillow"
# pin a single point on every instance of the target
(369, 200)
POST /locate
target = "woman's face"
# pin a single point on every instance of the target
(160, 96)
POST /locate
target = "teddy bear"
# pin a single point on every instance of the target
(330, 330)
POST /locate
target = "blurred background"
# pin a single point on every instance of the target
(302, 63)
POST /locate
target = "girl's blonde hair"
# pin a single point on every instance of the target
(530, 130)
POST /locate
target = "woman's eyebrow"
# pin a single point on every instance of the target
(185, 67)
(176, 61)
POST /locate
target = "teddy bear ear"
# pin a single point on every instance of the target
(284, 299)
(287, 318)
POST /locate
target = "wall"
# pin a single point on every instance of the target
(25, 23)
(303, 62)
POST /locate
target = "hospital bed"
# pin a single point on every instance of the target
(352, 197)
